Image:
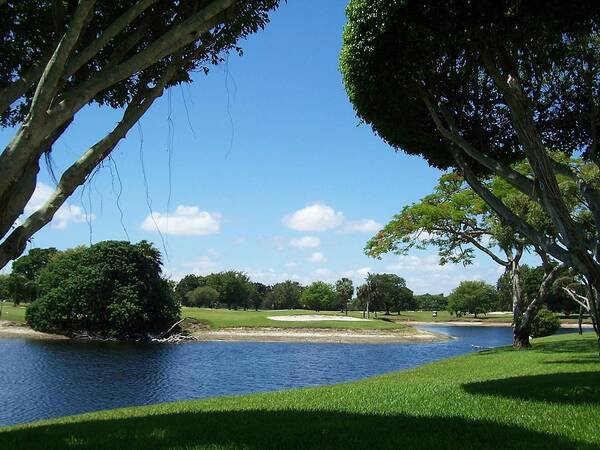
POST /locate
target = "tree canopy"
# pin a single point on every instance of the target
(112, 289)
(58, 57)
(472, 297)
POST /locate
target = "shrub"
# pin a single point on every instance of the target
(545, 323)
(111, 289)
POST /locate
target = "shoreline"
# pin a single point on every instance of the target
(486, 324)
(14, 330)
(317, 335)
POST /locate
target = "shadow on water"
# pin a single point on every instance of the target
(295, 429)
(566, 387)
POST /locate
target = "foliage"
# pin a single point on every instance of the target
(21, 289)
(396, 52)
(202, 296)
(465, 403)
(545, 323)
(235, 288)
(319, 296)
(31, 264)
(259, 294)
(452, 219)
(284, 295)
(387, 292)
(431, 302)
(4, 287)
(531, 279)
(186, 285)
(471, 297)
(344, 290)
(112, 288)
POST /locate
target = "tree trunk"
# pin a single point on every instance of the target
(521, 337)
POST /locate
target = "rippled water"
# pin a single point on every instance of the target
(40, 379)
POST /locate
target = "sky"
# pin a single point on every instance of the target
(260, 166)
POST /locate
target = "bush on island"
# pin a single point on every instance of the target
(110, 289)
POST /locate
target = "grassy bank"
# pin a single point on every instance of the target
(13, 313)
(223, 318)
(547, 397)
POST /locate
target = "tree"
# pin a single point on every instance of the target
(259, 294)
(31, 264)
(59, 57)
(202, 296)
(471, 297)
(235, 288)
(318, 296)
(284, 295)
(111, 289)
(21, 289)
(344, 290)
(4, 287)
(390, 293)
(185, 286)
(431, 302)
(503, 89)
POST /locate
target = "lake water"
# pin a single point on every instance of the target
(44, 379)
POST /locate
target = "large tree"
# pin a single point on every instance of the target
(58, 57)
(515, 80)
(112, 289)
(455, 221)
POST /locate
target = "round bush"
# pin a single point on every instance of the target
(111, 289)
(545, 323)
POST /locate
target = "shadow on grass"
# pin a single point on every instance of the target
(568, 387)
(295, 429)
(576, 344)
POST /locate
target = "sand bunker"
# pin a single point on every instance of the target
(315, 317)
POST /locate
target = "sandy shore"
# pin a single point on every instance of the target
(317, 335)
(487, 324)
(15, 330)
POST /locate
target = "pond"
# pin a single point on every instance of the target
(44, 379)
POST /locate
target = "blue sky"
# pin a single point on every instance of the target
(270, 171)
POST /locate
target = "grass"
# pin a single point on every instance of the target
(544, 398)
(223, 318)
(13, 313)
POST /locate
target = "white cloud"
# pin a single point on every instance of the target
(202, 265)
(322, 217)
(290, 265)
(306, 242)
(185, 221)
(425, 274)
(362, 226)
(271, 276)
(66, 213)
(363, 271)
(317, 257)
(325, 273)
(315, 217)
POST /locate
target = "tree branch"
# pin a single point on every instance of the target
(77, 173)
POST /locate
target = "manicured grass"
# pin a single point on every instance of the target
(223, 318)
(445, 316)
(13, 313)
(544, 398)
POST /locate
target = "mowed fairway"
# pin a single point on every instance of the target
(223, 318)
(544, 398)
(13, 313)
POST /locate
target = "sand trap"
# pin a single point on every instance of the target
(315, 318)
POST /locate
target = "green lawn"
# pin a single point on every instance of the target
(223, 318)
(544, 398)
(13, 313)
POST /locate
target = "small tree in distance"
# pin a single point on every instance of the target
(471, 297)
